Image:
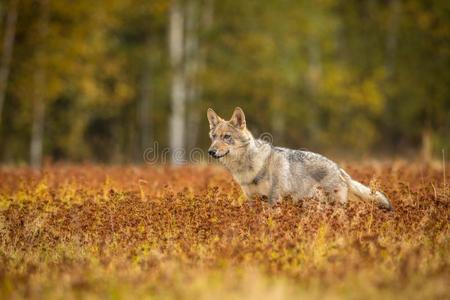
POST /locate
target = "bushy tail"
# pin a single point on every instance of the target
(364, 192)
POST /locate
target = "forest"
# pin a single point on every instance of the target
(104, 80)
(106, 191)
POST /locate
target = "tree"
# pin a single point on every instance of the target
(145, 100)
(104, 78)
(40, 81)
(8, 47)
(178, 83)
(192, 61)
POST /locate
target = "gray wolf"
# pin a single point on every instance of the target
(275, 172)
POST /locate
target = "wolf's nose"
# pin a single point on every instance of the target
(212, 152)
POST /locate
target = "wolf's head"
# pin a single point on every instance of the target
(228, 138)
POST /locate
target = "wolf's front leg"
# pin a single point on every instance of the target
(248, 195)
(275, 192)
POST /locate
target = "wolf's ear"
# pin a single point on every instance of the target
(238, 118)
(213, 118)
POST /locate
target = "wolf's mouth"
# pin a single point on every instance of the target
(220, 156)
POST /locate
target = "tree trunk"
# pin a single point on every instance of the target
(39, 95)
(314, 76)
(200, 15)
(427, 145)
(144, 105)
(37, 130)
(191, 63)
(392, 36)
(7, 51)
(178, 84)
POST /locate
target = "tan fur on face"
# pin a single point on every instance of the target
(227, 136)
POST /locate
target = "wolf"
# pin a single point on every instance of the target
(273, 173)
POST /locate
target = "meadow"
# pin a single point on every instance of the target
(155, 232)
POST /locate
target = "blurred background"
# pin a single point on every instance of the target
(104, 80)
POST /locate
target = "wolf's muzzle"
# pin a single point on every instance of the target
(214, 153)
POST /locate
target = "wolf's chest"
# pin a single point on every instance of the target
(255, 184)
(262, 188)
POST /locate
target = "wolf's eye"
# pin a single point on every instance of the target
(227, 137)
(214, 136)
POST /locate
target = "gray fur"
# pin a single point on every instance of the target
(318, 174)
(260, 176)
(276, 172)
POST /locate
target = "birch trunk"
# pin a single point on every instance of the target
(200, 15)
(178, 85)
(39, 94)
(7, 51)
(191, 63)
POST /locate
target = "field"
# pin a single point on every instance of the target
(169, 233)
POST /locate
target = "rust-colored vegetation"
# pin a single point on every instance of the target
(157, 232)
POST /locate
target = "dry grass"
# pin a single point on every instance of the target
(127, 232)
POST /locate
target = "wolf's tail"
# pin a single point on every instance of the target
(364, 192)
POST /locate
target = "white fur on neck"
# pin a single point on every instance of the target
(246, 162)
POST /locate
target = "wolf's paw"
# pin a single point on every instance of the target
(272, 209)
(276, 211)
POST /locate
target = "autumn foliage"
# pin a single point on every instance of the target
(160, 232)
